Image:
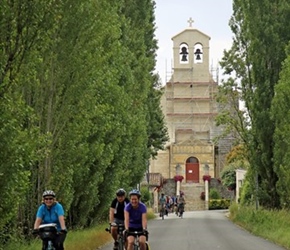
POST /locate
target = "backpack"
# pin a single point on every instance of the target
(117, 203)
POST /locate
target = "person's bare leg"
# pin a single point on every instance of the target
(142, 240)
(130, 242)
(114, 232)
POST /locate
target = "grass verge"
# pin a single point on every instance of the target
(87, 239)
(273, 225)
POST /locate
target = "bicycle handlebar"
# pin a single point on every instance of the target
(138, 233)
(114, 225)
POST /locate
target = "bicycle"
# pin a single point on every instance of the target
(121, 239)
(181, 210)
(136, 244)
(47, 233)
(162, 212)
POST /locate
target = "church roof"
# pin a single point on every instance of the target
(190, 30)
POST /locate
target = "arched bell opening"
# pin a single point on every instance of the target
(183, 53)
(198, 53)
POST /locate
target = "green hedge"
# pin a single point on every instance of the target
(219, 204)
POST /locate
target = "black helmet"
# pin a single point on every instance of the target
(48, 193)
(135, 192)
(121, 192)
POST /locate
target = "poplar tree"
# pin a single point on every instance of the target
(80, 110)
(280, 114)
(260, 29)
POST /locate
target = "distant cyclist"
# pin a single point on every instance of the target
(180, 204)
(136, 220)
(162, 204)
(116, 213)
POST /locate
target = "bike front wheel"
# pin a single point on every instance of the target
(121, 245)
(181, 213)
(48, 245)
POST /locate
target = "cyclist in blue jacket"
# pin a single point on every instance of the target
(50, 211)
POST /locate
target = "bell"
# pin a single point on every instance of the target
(184, 58)
(197, 53)
(184, 54)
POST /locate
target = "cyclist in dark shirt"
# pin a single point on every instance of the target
(116, 214)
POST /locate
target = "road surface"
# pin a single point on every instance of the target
(201, 230)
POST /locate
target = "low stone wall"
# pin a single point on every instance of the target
(223, 190)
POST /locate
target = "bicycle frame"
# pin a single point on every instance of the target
(121, 240)
(181, 210)
(136, 234)
(162, 211)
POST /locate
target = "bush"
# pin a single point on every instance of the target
(214, 194)
(246, 194)
(219, 204)
(145, 194)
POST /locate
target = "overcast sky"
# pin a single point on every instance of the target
(210, 17)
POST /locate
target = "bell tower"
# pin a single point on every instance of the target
(189, 103)
(189, 108)
(191, 157)
(191, 55)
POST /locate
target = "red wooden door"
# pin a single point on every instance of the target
(192, 172)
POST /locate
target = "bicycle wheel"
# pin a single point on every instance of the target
(181, 213)
(45, 245)
(50, 246)
(121, 245)
(136, 245)
(147, 246)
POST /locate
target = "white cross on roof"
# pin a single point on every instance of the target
(190, 21)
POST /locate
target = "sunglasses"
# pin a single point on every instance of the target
(48, 199)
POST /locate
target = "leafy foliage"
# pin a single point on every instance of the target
(214, 194)
(253, 64)
(228, 174)
(219, 204)
(280, 114)
(80, 105)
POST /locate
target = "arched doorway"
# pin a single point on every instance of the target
(192, 170)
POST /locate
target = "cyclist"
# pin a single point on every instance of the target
(50, 211)
(136, 220)
(116, 213)
(162, 204)
(180, 204)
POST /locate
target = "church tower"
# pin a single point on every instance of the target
(189, 96)
(189, 107)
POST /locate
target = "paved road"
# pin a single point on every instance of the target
(201, 230)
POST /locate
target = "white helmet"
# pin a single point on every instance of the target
(48, 193)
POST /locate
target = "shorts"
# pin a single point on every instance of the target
(118, 221)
